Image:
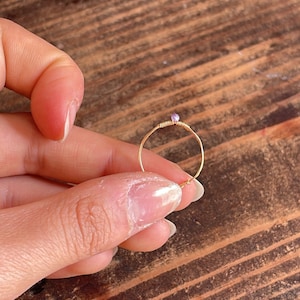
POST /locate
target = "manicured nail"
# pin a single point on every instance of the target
(152, 200)
(115, 251)
(70, 118)
(199, 190)
(172, 227)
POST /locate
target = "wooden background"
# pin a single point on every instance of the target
(231, 69)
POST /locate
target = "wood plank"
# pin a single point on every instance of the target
(231, 70)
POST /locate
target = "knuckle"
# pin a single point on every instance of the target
(34, 160)
(94, 220)
(93, 226)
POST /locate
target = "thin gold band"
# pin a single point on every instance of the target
(187, 128)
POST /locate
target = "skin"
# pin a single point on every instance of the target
(64, 207)
(32, 67)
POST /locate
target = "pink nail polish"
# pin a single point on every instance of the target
(150, 201)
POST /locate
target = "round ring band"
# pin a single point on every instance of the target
(167, 124)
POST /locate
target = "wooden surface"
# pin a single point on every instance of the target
(231, 69)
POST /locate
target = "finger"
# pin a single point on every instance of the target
(19, 190)
(87, 266)
(40, 238)
(148, 239)
(151, 238)
(36, 69)
(84, 155)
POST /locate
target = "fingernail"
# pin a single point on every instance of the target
(70, 118)
(172, 227)
(199, 190)
(115, 251)
(152, 200)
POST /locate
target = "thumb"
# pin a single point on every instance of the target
(40, 238)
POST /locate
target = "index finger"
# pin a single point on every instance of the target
(48, 76)
(84, 155)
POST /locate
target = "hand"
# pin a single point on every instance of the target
(66, 207)
(49, 228)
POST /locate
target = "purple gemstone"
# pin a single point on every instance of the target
(175, 117)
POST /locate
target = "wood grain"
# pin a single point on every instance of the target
(231, 69)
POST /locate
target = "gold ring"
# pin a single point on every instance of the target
(174, 121)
